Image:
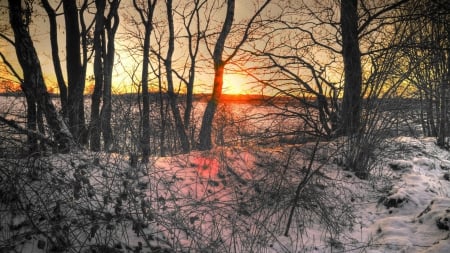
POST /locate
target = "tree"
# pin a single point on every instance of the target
(95, 126)
(146, 16)
(33, 84)
(111, 25)
(180, 66)
(51, 13)
(219, 65)
(353, 29)
(75, 99)
(351, 105)
(442, 20)
(220, 62)
(298, 62)
(170, 86)
(104, 34)
(428, 48)
(75, 68)
(194, 34)
(312, 45)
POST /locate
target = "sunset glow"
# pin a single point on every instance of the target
(236, 84)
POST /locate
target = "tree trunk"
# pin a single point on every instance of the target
(75, 100)
(193, 52)
(351, 105)
(444, 123)
(33, 85)
(211, 107)
(430, 114)
(95, 124)
(147, 19)
(170, 89)
(205, 142)
(443, 115)
(111, 25)
(162, 136)
(425, 128)
(189, 95)
(145, 141)
(41, 127)
(32, 142)
(85, 58)
(55, 57)
(106, 111)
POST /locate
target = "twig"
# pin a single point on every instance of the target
(28, 132)
(301, 186)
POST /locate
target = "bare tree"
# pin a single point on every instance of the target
(104, 34)
(51, 13)
(170, 84)
(428, 48)
(77, 86)
(354, 27)
(111, 25)
(75, 99)
(220, 62)
(194, 34)
(442, 21)
(95, 123)
(33, 84)
(219, 65)
(146, 17)
(351, 105)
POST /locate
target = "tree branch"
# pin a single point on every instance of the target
(30, 133)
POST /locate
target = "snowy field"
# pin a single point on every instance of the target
(255, 194)
(229, 200)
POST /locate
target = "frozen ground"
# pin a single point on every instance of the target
(230, 200)
(414, 214)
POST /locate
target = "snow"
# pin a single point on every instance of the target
(236, 199)
(406, 219)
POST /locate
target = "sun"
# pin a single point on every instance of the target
(236, 83)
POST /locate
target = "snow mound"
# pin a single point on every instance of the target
(415, 212)
(400, 164)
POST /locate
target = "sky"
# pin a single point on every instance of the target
(233, 82)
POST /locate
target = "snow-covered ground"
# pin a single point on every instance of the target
(230, 199)
(414, 213)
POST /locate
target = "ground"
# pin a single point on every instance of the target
(295, 198)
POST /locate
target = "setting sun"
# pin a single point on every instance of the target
(236, 84)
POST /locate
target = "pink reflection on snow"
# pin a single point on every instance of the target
(206, 166)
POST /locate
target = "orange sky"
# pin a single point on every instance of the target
(233, 83)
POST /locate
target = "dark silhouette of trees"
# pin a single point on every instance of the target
(51, 13)
(170, 83)
(330, 59)
(205, 142)
(111, 26)
(353, 29)
(77, 35)
(33, 86)
(440, 21)
(95, 126)
(191, 17)
(308, 55)
(351, 105)
(146, 17)
(427, 47)
(191, 23)
(75, 77)
(104, 48)
(220, 61)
